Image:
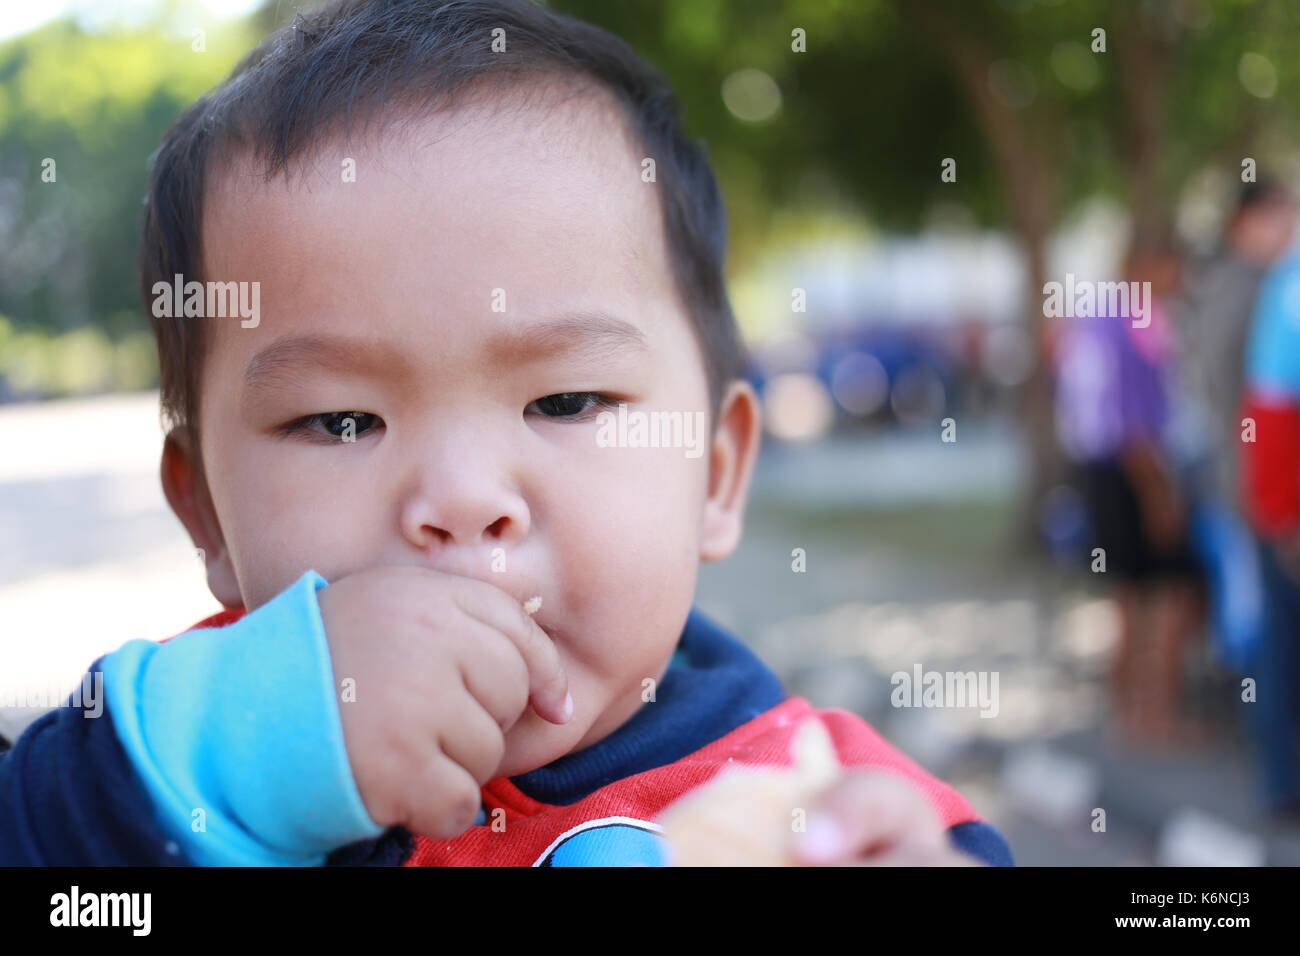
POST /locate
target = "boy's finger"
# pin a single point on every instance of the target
(864, 812)
(548, 685)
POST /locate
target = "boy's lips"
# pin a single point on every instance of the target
(533, 607)
(548, 630)
(558, 635)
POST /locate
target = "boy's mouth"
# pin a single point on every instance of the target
(532, 607)
(550, 632)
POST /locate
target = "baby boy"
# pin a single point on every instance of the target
(470, 233)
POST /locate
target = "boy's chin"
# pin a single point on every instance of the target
(534, 742)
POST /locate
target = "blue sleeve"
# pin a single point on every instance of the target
(981, 841)
(1273, 351)
(236, 735)
(240, 724)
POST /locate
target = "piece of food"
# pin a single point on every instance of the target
(533, 605)
(746, 816)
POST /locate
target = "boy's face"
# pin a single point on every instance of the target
(388, 285)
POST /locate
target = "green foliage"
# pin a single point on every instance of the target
(35, 363)
(98, 105)
(866, 116)
(876, 101)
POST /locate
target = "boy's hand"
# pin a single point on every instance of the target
(871, 818)
(444, 666)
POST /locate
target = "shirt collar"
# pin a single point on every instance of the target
(713, 685)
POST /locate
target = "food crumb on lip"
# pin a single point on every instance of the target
(533, 605)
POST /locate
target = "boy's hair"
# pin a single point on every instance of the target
(388, 59)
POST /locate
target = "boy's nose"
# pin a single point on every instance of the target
(464, 513)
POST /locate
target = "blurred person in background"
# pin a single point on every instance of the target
(1113, 418)
(1271, 496)
(1212, 346)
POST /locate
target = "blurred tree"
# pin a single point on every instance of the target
(1039, 111)
(1126, 97)
(80, 114)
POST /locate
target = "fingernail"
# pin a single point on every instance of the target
(823, 840)
(568, 706)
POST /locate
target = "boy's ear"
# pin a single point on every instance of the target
(187, 492)
(731, 465)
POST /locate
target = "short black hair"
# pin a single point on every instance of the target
(361, 60)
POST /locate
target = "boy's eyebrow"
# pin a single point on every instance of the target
(278, 362)
(593, 332)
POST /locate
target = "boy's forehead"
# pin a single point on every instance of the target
(529, 152)
(538, 203)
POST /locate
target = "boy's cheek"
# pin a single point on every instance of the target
(533, 741)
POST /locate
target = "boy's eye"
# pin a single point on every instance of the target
(567, 404)
(336, 424)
